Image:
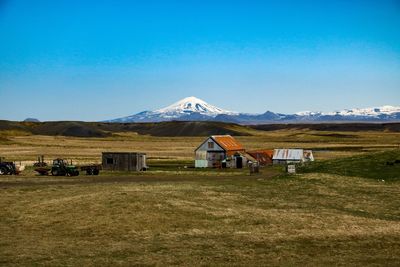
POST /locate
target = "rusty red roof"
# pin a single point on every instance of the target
(264, 157)
(227, 142)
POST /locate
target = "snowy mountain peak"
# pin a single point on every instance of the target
(365, 112)
(372, 112)
(308, 113)
(194, 109)
(190, 105)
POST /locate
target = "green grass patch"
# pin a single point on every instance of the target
(380, 165)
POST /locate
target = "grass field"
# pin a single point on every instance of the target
(338, 211)
(326, 145)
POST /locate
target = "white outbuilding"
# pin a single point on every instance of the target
(289, 156)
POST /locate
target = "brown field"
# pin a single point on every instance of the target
(176, 216)
(82, 150)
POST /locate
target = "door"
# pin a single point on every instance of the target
(239, 162)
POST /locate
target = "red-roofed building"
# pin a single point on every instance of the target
(215, 150)
(264, 157)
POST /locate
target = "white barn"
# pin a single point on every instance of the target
(286, 156)
(215, 150)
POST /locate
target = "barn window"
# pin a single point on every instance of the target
(110, 161)
(210, 144)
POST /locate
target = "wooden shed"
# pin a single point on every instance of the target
(124, 161)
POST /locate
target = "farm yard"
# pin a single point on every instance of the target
(340, 210)
(199, 133)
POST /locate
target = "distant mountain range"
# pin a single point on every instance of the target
(195, 109)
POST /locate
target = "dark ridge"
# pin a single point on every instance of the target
(177, 128)
(101, 129)
(12, 126)
(181, 128)
(67, 128)
(64, 128)
(339, 127)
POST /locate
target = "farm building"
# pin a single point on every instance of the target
(220, 151)
(285, 156)
(264, 157)
(124, 161)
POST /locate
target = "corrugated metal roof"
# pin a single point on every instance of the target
(227, 142)
(263, 156)
(288, 154)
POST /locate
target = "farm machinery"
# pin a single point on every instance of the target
(91, 169)
(62, 167)
(10, 168)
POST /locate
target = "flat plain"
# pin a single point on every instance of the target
(342, 210)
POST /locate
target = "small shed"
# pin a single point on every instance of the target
(264, 157)
(220, 151)
(287, 156)
(124, 161)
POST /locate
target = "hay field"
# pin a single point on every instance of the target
(309, 219)
(83, 150)
(172, 216)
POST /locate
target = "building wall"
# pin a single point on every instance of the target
(209, 154)
(284, 162)
(205, 146)
(199, 163)
(209, 159)
(123, 161)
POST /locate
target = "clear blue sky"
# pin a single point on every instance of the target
(96, 60)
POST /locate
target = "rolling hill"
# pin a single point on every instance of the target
(100, 129)
(175, 128)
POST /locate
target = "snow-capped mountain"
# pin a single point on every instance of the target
(369, 112)
(195, 109)
(373, 112)
(190, 105)
(189, 108)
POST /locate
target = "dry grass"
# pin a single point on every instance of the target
(185, 217)
(84, 150)
(312, 219)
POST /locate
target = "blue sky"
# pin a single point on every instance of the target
(96, 60)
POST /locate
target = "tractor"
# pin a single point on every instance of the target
(61, 167)
(9, 168)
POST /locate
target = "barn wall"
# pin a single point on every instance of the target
(284, 162)
(124, 161)
(209, 157)
(215, 158)
(199, 163)
(204, 146)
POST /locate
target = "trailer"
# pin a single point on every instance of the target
(43, 170)
(41, 166)
(93, 169)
